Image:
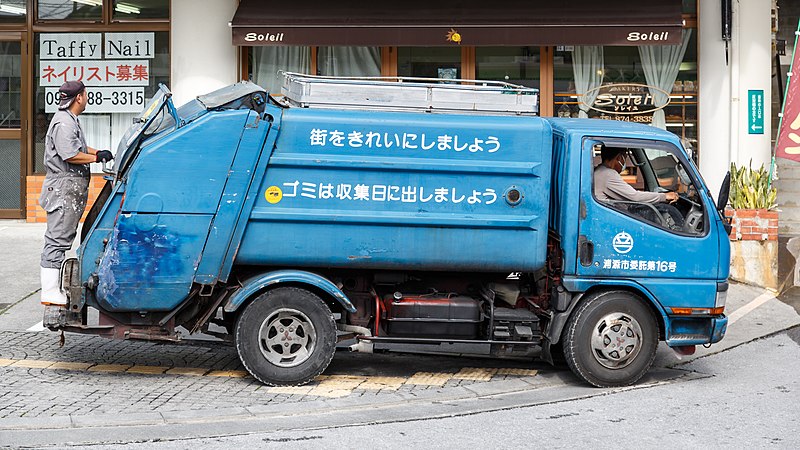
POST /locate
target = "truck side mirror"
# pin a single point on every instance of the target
(724, 192)
(722, 201)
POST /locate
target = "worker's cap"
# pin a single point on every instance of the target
(67, 93)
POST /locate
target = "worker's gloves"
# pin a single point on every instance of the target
(103, 156)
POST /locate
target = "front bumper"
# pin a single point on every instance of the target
(683, 331)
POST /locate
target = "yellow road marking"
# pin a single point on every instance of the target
(321, 391)
(335, 382)
(109, 368)
(148, 370)
(382, 383)
(32, 364)
(475, 374)
(323, 386)
(192, 371)
(429, 378)
(71, 366)
(228, 373)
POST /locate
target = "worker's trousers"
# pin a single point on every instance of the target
(64, 201)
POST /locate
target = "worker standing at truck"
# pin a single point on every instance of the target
(65, 190)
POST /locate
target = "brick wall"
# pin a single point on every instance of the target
(753, 224)
(35, 213)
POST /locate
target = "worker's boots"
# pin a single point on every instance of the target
(53, 299)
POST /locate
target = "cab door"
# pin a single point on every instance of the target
(627, 243)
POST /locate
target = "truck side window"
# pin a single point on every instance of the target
(650, 184)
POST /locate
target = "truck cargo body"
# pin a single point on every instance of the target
(396, 230)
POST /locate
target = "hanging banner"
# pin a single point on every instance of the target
(788, 143)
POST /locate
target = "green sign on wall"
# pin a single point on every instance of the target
(755, 111)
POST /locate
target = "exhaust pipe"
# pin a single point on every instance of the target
(360, 346)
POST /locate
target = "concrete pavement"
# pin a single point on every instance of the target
(93, 384)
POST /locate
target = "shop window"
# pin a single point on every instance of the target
(10, 81)
(70, 9)
(10, 84)
(268, 62)
(118, 86)
(141, 9)
(429, 62)
(517, 65)
(667, 73)
(13, 11)
(349, 61)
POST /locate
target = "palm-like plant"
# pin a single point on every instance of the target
(751, 189)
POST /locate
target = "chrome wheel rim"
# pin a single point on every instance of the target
(287, 338)
(616, 340)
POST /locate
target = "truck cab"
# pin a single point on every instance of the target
(412, 217)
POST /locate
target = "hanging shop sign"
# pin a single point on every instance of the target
(115, 67)
(624, 99)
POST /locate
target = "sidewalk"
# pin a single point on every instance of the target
(94, 383)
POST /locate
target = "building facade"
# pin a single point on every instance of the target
(663, 63)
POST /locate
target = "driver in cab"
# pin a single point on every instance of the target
(609, 185)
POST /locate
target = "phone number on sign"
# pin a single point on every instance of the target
(103, 100)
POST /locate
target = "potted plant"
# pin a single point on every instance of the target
(754, 220)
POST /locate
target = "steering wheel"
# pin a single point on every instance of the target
(693, 222)
(687, 199)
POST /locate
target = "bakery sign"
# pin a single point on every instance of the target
(624, 99)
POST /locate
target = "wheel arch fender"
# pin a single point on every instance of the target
(270, 280)
(559, 319)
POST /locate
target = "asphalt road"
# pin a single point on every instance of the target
(752, 403)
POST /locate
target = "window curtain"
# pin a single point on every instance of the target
(104, 131)
(587, 66)
(349, 61)
(661, 64)
(268, 61)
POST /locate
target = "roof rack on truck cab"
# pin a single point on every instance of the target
(408, 94)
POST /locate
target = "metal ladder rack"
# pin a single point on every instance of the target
(408, 94)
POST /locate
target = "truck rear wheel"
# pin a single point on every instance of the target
(611, 339)
(286, 337)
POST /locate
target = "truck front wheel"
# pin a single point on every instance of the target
(610, 340)
(286, 337)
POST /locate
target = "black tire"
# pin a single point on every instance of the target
(587, 339)
(286, 337)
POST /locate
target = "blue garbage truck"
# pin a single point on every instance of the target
(407, 216)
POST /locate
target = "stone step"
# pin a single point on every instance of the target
(788, 170)
(788, 226)
(786, 212)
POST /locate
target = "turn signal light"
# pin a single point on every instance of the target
(698, 311)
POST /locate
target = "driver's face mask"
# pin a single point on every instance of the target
(622, 165)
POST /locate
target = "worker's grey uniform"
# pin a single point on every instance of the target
(65, 188)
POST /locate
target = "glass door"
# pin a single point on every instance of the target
(12, 149)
